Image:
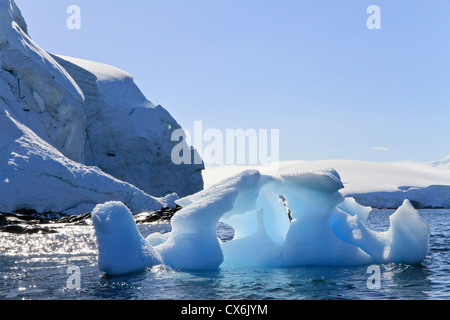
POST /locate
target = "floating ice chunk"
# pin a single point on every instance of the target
(406, 241)
(121, 247)
(297, 219)
(409, 235)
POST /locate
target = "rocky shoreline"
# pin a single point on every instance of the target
(31, 222)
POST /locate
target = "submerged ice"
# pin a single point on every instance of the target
(295, 219)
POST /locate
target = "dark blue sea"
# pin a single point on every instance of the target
(63, 266)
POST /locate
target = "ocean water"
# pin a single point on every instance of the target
(63, 266)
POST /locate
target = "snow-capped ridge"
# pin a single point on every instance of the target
(10, 12)
(103, 71)
(443, 163)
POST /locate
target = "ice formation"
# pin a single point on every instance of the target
(74, 133)
(326, 228)
(122, 249)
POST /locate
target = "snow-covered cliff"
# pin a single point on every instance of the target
(127, 136)
(75, 133)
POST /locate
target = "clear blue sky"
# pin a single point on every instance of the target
(312, 69)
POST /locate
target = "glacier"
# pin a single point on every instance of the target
(35, 175)
(325, 229)
(127, 136)
(75, 133)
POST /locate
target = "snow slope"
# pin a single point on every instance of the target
(375, 184)
(75, 133)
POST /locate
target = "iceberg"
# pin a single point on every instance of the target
(295, 219)
(122, 249)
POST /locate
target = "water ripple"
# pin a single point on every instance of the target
(35, 267)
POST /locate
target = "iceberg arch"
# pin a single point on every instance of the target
(294, 219)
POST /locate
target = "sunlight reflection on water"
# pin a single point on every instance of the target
(35, 266)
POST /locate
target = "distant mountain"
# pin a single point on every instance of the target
(442, 164)
(375, 184)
